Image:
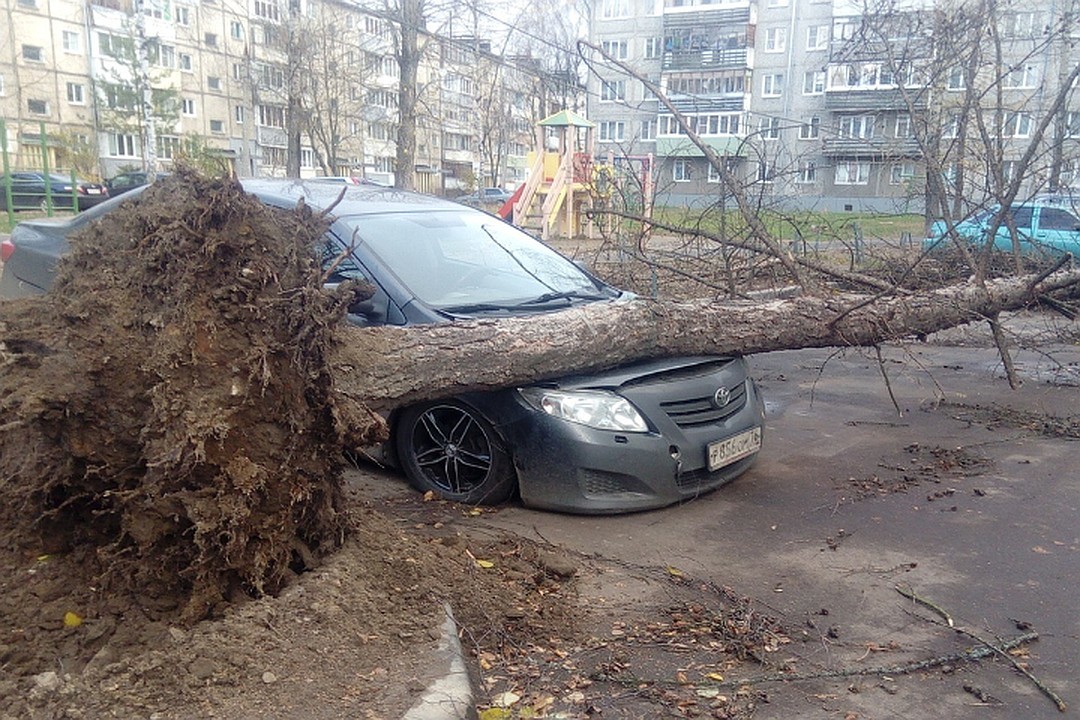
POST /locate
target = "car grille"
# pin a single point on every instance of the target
(701, 480)
(598, 483)
(699, 411)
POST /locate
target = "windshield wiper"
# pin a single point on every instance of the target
(574, 295)
(474, 307)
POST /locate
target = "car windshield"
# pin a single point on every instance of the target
(469, 261)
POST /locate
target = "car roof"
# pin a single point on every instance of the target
(355, 199)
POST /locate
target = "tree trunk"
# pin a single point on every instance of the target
(448, 359)
(408, 62)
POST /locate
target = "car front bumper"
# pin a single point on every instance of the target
(568, 467)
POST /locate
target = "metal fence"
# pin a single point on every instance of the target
(37, 188)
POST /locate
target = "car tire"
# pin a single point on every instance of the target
(447, 447)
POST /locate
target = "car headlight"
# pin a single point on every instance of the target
(593, 408)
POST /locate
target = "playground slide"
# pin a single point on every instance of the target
(506, 212)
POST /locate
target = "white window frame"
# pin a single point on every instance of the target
(902, 129)
(901, 172)
(78, 90)
(814, 82)
(857, 127)
(817, 38)
(238, 114)
(213, 82)
(769, 128)
(217, 127)
(776, 40)
(183, 15)
(187, 107)
(648, 130)
(772, 85)
(1025, 77)
(618, 49)
(611, 131)
(37, 54)
(807, 172)
(766, 172)
(186, 62)
(236, 30)
(654, 47)
(810, 130)
(681, 170)
(45, 109)
(71, 42)
(123, 145)
(612, 90)
(1017, 125)
(861, 177)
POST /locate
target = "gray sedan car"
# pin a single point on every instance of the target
(641, 436)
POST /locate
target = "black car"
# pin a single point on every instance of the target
(125, 182)
(641, 436)
(30, 191)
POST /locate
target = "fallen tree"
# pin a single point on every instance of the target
(176, 407)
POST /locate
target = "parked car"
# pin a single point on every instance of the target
(28, 191)
(1044, 226)
(127, 181)
(345, 180)
(645, 435)
(485, 196)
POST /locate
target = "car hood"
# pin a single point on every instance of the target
(648, 371)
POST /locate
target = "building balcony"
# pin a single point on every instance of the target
(711, 58)
(878, 147)
(875, 99)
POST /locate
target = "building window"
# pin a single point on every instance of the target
(810, 130)
(238, 114)
(71, 41)
(210, 39)
(236, 30)
(772, 85)
(714, 175)
(2, 86)
(1018, 24)
(213, 82)
(766, 172)
(185, 63)
(612, 90)
(28, 4)
(807, 172)
(217, 126)
(1024, 76)
(612, 130)
(778, 3)
(956, 79)
(237, 71)
(37, 107)
(1072, 120)
(615, 48)
(648, 129)
(901, 172)
(33, 53)
(614, 9)
(903, 126)
(653, 47)
(121, 145)
(681, 170)
(183, 15)
(75, 94)
(775, 40)
(168, 146)
(271, 116)
(1008, 172)
(853, 173)
(187, 107)
(817, 37)
(267, 9)
(951, 127)
(769, 128)
(1017, 125)
(814, 82)
(856, 126)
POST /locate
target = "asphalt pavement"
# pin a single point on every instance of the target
(968, 496)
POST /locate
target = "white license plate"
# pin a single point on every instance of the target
(93, 191)
(724, 452)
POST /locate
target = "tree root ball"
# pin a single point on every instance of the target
(168, 404)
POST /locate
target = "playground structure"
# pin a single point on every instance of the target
(565, 181)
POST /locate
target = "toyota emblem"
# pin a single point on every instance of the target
(721, 397)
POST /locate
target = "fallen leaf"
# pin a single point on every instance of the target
(484, 563)
(505, 699)
(676, 572)
(429, 495)
(1040, 550)
(681, 678)
(715, 676)
(72, 620)
(495, 714)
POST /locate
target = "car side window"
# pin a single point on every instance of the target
(1057, 219)
(380, 311)
(1021, 217)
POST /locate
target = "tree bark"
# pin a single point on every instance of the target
(420, 363)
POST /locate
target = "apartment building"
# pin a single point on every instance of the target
(830, 104)
(237, 79)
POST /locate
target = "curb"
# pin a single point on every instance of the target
(449, 697)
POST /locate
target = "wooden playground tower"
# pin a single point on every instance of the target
(561, 184)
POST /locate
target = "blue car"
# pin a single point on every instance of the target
(1044, 229)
